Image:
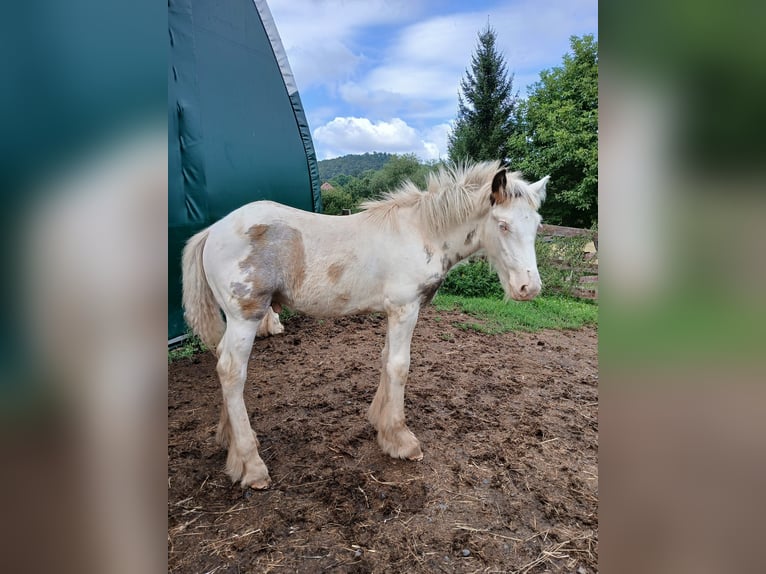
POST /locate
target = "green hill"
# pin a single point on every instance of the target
(352, 164)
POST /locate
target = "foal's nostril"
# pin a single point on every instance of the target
(523, 289)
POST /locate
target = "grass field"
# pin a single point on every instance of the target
(497, 316)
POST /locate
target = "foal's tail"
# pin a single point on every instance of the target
(201, 310)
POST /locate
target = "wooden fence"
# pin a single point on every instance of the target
(588, 288)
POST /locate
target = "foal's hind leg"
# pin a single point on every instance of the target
(386, 413)
(243, 461)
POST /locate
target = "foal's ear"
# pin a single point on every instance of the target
(499, 183)
(539, 187)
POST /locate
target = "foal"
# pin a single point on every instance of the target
(391, 257)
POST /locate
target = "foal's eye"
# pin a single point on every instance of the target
(503, 227)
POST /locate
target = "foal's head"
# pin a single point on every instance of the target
(509, 234)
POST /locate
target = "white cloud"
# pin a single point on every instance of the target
(387, 103)
(331, 42)
(361, 60)
(439, 135)
(324, 39)
(415, 81)
(323, 64)
(431, 56)
(344, 135)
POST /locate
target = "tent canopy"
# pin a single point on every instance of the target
(237, 131)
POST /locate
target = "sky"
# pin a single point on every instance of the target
(383, 75)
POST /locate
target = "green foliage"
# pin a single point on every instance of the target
(350, 190)
(485, 119)
(351, 164)
(359, 186)
(544, 312)
(473, 279)
(558, 136)
(191, 346)
(287, 314)
(398, 169)
(334, 201)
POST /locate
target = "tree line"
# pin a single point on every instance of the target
(554, 131)
(352, 164)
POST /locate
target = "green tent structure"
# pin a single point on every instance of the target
(237, 131)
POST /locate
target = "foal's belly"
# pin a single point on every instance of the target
(336, 305)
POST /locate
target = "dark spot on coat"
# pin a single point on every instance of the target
(428, 289)
(239, 290)
(447, 262)
(429, 253)
(445, 247)
(470, 236)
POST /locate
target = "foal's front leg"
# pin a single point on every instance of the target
(386, 413)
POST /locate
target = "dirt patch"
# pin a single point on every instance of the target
(509, 429)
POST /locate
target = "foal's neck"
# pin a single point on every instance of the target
(457, 243)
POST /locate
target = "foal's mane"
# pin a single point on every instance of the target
(454, 194)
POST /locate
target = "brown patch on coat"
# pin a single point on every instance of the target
(470, 236)
(499, 185)
(257, 232)
(253, 307)
(335, 271)
(274, 269)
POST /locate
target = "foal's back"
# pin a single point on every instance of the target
(321, 265)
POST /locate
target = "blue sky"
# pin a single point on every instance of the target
(383, 75)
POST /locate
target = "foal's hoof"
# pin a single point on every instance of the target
(259, 479)
(416, 456)
(414, 452)
(260, 484)
(400, 443)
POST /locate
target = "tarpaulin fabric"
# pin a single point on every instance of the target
(237, 131)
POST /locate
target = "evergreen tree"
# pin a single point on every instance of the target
(485, 106)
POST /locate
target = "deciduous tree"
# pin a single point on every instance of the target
(558, 135)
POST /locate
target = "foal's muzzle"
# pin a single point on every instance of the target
(528, 290)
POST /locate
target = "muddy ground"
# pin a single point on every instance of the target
(508, 425)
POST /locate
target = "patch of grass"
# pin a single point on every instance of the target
(476, 327)
(286, 314)
(190, 347)
(495, 316)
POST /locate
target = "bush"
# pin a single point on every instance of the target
(473, 279)
(334, 201)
